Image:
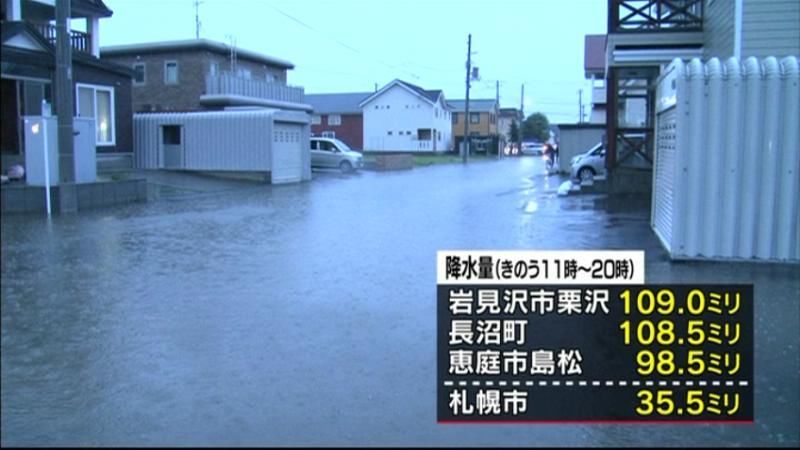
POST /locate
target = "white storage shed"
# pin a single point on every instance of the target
(252, 140)
(726, 179)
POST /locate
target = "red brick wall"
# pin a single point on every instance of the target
(351, 131)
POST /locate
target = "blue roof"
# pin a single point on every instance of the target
(345, 103)
(476, 105)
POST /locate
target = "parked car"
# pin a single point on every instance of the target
(334, 154)
(586, 165)
(532, 148)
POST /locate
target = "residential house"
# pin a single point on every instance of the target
(645, 35)
(594, 66)
(102, 89)
(505, 116)
(483, 129)
(200, 74)
(403, 117)
(338, 116)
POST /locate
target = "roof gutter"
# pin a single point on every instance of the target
(240, 100)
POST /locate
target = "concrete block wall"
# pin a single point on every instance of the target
(31, 199)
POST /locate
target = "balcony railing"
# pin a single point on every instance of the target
(78, 39)
(654, 15)
(421, 145)
(228, 84)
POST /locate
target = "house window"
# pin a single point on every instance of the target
(389, 133)
(98, 102)
(474, 118)
(334, 119)
(316, 120)
(170, 72)
(271, 78)
(492, 118)
(455, 118)
(139, 74)
(436, 112)
(245, 73)
(213, 68)
(376, 106)
(439, 135)
(329, 134)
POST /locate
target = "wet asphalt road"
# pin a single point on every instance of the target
(305, 314)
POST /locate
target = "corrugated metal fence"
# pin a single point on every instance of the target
(726, 183)
(224, 140)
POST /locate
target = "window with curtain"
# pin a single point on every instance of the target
(170, 72)
(97, 102)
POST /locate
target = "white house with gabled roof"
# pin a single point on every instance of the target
(402, 117)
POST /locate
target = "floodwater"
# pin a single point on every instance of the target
(305, 314)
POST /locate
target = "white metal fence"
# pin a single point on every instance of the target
(726, 181)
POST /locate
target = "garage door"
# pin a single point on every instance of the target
(664, 189)
(287, 153)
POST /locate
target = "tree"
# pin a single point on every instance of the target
(513, 132)
(536, 126)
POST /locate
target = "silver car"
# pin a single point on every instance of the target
(586, 165)
(334, 154)
(532, 148)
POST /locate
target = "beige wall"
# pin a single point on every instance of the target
(484, 127)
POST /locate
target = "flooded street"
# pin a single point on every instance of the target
(305, 314)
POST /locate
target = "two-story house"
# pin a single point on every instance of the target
(101, 89)
(483, 130)
(200, 74)
(505, 117)
(645, 35)
(339, 116)
(403, 117)
(594, 66)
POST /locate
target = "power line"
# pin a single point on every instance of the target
(340, 43)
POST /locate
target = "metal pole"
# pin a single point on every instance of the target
(497, 117)
(197, 19)
(522, 117)
(46, 166)
(63, 93)
(580, 106)
(465, 154)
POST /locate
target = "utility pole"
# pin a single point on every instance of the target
(497, 117)
(197, 19)
(64, 93)
(521, 115)
(465, 155)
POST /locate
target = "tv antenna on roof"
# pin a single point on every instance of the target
(232, 40)
(197, 19)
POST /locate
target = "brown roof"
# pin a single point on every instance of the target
(594, 54)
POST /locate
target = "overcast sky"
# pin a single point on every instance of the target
(349, 45)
